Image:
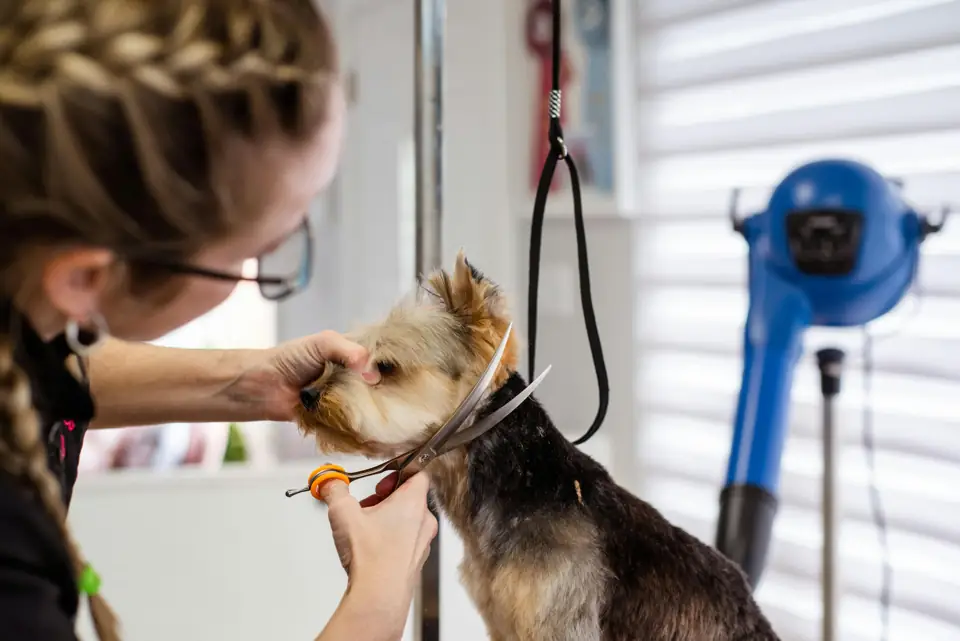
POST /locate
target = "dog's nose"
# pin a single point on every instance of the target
(309, 397)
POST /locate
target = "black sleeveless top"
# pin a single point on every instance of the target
(38, 593)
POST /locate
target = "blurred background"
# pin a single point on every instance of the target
(667, 110)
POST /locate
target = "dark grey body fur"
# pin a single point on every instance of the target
(654, 581)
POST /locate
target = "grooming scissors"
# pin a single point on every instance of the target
(448, 437)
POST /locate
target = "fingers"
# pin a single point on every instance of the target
(423, 559)
(414, 491)
(419, 485)
(335, 346)
(387, 484)
(428, 531)
(433, 525)
(384, 488)
(370, 501)
(429, 528)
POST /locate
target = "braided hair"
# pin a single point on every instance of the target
(113, 117)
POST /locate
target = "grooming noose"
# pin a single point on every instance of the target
(558, 151)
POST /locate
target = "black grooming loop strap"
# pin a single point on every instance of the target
(558, 151)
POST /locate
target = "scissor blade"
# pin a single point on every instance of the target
(489, 422)
(430, 449)
(470, 403)
(387, 466)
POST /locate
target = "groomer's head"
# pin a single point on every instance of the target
(142, 141)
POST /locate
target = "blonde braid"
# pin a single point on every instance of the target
(212, 45)
(22, 454)
(151, 58)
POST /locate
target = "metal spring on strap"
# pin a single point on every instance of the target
(554, 103)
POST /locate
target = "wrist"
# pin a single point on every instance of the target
(383, 600)
(248, 386)
(359, 617)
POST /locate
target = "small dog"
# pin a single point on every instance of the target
(554, 549)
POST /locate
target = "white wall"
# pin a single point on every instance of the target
(227, 556)
(377, 38)
(210, 557)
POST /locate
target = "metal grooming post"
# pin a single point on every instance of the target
(428, 131)
(830, 362)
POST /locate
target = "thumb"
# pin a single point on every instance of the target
(356, 357)
(334, 492)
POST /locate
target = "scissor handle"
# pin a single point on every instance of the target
(323, 475)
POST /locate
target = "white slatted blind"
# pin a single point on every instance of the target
(734, 93)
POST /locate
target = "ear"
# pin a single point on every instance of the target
(463, 274)
(463, 264)
(468, 294)
(74, 280)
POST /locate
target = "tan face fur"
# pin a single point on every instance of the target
(431, 349)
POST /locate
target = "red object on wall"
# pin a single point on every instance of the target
(539, 43)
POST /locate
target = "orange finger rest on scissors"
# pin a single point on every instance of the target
(323, 475)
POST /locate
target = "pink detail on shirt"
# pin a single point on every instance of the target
(70, 425)
(63, 447)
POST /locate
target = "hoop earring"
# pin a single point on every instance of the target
(81, 340)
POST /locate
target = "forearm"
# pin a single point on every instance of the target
(142, 384)
(354, 620)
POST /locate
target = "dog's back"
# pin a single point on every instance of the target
(555, 549)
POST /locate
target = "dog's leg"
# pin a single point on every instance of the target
(477, 585)
(553, 598)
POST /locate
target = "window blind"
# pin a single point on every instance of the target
(735, 93)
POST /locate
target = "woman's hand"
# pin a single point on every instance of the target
(271, 379)
(383, 543)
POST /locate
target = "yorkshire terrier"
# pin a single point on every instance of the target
(554, 549)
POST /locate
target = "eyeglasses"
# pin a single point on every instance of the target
(280, 273)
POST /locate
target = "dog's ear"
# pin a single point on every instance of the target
(475, 273)
(479, 305)
(465, 276)
(467, 293)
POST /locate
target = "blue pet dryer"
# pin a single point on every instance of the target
(836, 247)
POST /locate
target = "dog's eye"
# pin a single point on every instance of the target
(385, 368)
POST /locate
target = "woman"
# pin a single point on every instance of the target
(149, 148)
